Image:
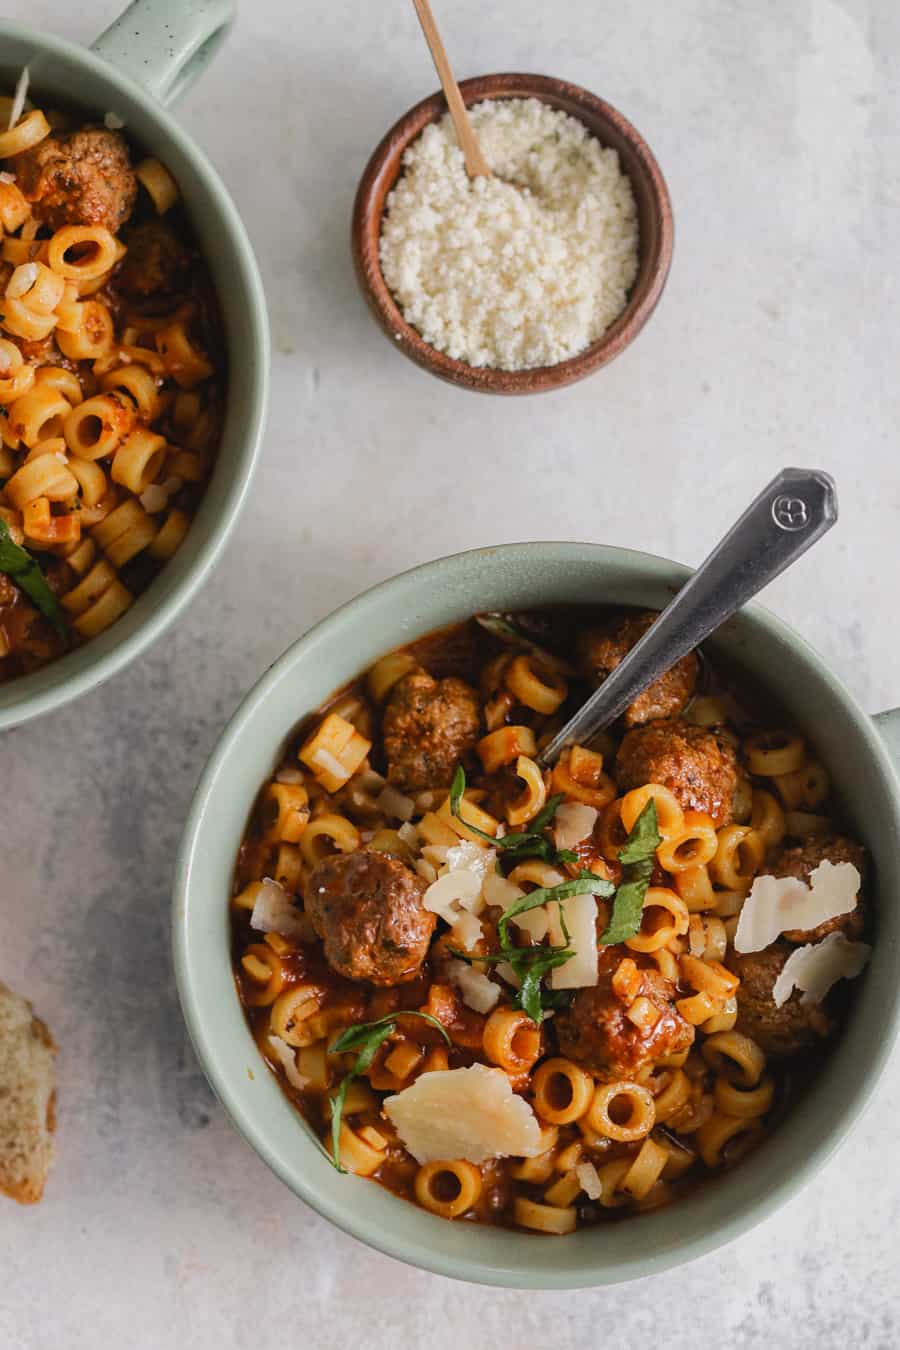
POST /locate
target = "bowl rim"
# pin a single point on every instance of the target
(521, 1274)
(90, 673)
(646, 290)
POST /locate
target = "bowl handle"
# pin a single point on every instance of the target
(888, 725)
(163, 45)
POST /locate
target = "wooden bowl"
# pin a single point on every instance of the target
(654, 211)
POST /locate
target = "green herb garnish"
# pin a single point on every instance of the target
(519, 844)
(586, 884)
(18, 564)
(637, 857)
(366, 1037)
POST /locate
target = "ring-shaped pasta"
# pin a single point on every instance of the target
(359, 1153)
(707, 977)
(16, 378)
(645, 1171)
(716, 1134)
(325, 830)
(284, 812)
(186, 364)
(707, 711)
(159, 183)
(140, 384)
(694, 847)
(447, 1188)
(767, 818)
(505, 745)
(138, 460)
(38, 415)
(669, 814)
(104, 612)
(707, 937)
(46, 476)
(511, 1040)
(96, 427)
(773, 753)
(561, 1091)
(803, 824)
(725, 1020)
(534, 684)
(664, 917)
(45, 529)
(544, 1218)
(96, 252)
(807, 788)
(387, 671)
(291, 1009)
(695, 889)
(744, 1103)
(673, 1097)
(14, 207)
(623, 1111)
(95, 336)
(534, 795)
(65, 382)
(739, 855)
(91, 479)
(36, 286)
(171, 535)
(29, 131)
(288, 868)
(731, 1052)
(263, 975)
(599, 793)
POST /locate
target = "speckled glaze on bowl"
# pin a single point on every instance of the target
(340, 647)
(655, 226)
(175, 40)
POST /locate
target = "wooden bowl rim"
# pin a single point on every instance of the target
(645, 293)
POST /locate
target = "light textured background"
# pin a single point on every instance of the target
(775, 343)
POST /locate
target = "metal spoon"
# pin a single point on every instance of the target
(788, 516)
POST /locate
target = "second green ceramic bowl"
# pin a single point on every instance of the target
(164, 45)
(509, 578)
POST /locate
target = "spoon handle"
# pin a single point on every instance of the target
(788, 516)
(476, 164)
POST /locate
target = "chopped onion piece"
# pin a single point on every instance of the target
(573, 822)
(394, 803)
(287, 1058)
(290, 775)
(478, 991)
(817, 966)
(589, 1178)
(275, 912)
(409, 834)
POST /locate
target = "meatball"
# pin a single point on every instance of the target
(803, 860)
(81, 179)
(779, 1032)
(602, 649)
(596, 1032)
(367, 908)
(429, 725)
(156, 260)
(698, 766)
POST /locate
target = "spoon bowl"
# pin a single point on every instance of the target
(654, 224)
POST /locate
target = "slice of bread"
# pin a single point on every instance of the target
(27, 1099)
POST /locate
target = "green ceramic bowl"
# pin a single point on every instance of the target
(146, 58)
(343, 645)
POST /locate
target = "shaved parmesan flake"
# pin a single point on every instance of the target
(777, 904)
(573, 822)
(580, 971)
(466, 930)
(507, 973)
(290, 775)
(394, 803)
(478, 991)
(500, 891)
(589, 1178)
(275, 912)
(535, 922)
(113, 122)
(452, 891)
(471, 1114)
(468, 857)
(817, 966)
(19, 97)
(287, 1058)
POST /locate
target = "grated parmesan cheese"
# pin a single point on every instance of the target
(275, 912)
(478, 991)
(580, 971)
(287, 1058)
(817, 966)
(777, 904)
(471, 1114)
(523, 269)
(573, 822)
